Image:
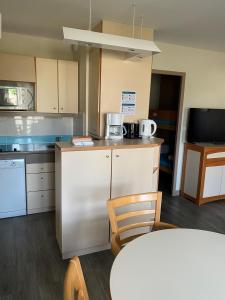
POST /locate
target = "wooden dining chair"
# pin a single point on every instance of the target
(74, 283)
(152, 200)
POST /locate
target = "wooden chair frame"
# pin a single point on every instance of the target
(116, 242)
(74, 282)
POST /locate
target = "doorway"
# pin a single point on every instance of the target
(165, 108)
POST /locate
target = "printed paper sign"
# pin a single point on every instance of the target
(128, 103)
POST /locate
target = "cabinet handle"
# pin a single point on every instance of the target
(42, 196)
(54, 107)
(42, 178)
(117, 155)
(107, 156)
(61, 108)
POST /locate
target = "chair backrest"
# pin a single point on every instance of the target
(74, 283)
(153, 212)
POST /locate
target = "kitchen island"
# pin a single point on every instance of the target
(86, 177)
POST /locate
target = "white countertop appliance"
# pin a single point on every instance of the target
(12, 188)
(114, 129)
(147, 128)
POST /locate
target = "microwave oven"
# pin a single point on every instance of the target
(16, 96)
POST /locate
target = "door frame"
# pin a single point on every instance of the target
(176, 192)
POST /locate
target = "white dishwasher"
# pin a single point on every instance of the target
(12, 188)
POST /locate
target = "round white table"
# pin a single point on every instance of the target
(173, 264)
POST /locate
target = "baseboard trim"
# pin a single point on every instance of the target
(80, 252)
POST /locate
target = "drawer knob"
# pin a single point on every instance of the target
(42, 196)
(107, 156)
(117, 155)
(42, 178)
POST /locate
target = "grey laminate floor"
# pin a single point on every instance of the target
(30, 263)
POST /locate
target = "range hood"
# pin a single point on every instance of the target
(136, 47)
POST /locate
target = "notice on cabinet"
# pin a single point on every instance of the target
(128, 102)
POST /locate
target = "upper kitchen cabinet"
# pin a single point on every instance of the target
(68, 86)
(47, 85)
(57, 86)
(17, 68)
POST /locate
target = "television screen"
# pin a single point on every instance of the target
(206, 126)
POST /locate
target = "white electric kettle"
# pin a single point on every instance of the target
(147, 128)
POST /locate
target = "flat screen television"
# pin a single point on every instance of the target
(206, 126)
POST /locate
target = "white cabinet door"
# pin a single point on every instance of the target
(85, 181)
(47, 85)
(132, 171)
(68, 86)
(222, 188)
(212, 184)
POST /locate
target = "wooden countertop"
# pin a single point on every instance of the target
(111, 144)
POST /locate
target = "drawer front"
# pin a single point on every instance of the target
(40, 201)
(39, 168)
(216, 155)
(40, 182)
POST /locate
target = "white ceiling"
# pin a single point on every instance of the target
(195, 23)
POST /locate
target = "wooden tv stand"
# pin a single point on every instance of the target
(203, 173)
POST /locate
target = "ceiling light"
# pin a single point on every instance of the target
(109, 41)
(133, 45)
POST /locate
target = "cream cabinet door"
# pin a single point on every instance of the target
(85, 182)
(68, 86)
(132, 171)
(212, 184)
(47, 85)
(17, 68)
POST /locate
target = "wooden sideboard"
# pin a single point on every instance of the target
(203, 173)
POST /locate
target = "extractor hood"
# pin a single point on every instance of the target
(133, 46)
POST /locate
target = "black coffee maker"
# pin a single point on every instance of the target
(131, 130)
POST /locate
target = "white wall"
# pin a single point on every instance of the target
(35, 46)
(204, 85)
